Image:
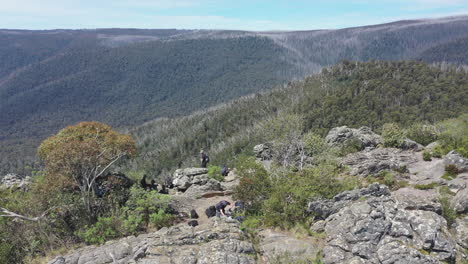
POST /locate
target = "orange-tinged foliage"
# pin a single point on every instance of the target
(83, 152)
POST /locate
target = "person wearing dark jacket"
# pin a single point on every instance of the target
(221, 208)
(204, 159)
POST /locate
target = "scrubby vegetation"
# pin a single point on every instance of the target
(352, 93)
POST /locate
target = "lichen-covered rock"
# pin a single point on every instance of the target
(409, 144)
(372, 162)
(456, 159)
(379, 230)
(274, 244)
(221, 243)
(14, 181)
(323, 208)
(340, 136)
(460, 201)
(184, 178)
(210, 185)
(414, 199)
(461, 232)
(263, 152)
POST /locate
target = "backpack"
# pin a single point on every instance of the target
(193, 214)
(210, 211)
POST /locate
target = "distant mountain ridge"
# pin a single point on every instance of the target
(125, 77)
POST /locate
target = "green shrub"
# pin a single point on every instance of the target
(447, 210)
(350, 146)
(393, 135)
(437, 152)
(251, 223)
(314, 144)
(451, 169)
(141, 205)
(254, 185)
(454, 136)
(104, 229)
(161, 219)
(422, 134)
(214, 172)
(290, 194)
(427, 156)
(445, 190)
(426, 186)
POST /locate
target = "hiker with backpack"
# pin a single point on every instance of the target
(204, 159)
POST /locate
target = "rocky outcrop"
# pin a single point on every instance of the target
(323, 208)
(195, 181)
(460, 201)
(409, 144)
(458, 160)
(14, 181)
(372, 162)
(378, 230)
(274, 244)
(263, 151)
(220, 243)
(461, 231)
(340, 136)
(414, 199)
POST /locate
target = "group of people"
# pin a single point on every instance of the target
(153, 186)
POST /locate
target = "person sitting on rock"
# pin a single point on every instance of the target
(225, 171)
(163, 189)
(153, 186)
(204, 159)
(143, 183)
(221, 208)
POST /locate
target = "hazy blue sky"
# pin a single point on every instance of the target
(219, 14)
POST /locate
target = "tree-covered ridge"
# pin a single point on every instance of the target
(351, 93)
(455, 52)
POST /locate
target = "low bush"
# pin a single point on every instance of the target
(448, 212)
(426, 186)
(437, 152)
(427, 156)
(214, 172)
(393, 135)
(422, 133)
(454, 136)
(104, 229)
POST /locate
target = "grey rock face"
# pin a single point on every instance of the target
(378, 230)
(263, 152)
(14, 181)
(210, 185)
(409, 144)
(274, 244)
(222, 243)
(371, 162)
(340, 136)
(458, 160)
(461, 231)
(460, 201)
(414, 199)
(323, 208)
(196, 180)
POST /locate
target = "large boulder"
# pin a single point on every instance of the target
(184, 178)
(323, 208)
(340, 136)
(461, 232)
(372, 162)
(14, 181)
(460, 201)
(456, 159)
(222, 243)
(379, 230)
(275, 244)
(414, 199)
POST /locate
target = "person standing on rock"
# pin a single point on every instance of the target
(204, 159)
